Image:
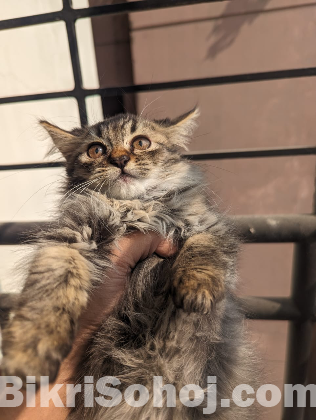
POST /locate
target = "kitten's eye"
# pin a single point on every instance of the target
(141, 143)
(96, 150)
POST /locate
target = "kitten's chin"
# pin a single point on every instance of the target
(127, 188)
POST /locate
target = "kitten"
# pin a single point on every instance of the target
(178, 317)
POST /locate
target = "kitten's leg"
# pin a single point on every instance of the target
(200, 271)
(41, 332)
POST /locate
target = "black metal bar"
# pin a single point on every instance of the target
(309, 412)
(263, 229)
(23, 166)
(209, 81)
(74, 54)
(31, 20)
(253, 153)
(300, 334)
(301, 339)
(276, 228)
(179, 84)
(16, 233)
(215, 155)
(270, 308)
(37, 97)
(137, 6)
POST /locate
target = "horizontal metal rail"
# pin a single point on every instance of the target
(252, 153)
(111, 9)
(260, 229)
(39, 165)
(211, 155)
(178, 84)
(264, 308)
(270, 308)
(285, 228)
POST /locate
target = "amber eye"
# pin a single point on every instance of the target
(141, 143)
(96, 150)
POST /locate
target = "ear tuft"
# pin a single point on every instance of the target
(64, 141)
(180, 129)
(188, 120)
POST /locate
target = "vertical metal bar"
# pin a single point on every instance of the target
(310, 412)
(74, 53)
(119, 60)
(300, 333)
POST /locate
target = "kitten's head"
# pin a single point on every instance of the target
(127, 156)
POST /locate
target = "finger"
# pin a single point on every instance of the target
(134, 247)
(138, 246)
(166, 248)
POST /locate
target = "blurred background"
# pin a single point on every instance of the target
(165, 45)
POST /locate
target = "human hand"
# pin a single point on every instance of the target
(126, 253)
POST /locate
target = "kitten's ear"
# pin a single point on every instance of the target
(181, 128)
(64, 141)
(187, 121)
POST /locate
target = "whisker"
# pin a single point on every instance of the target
(201, 135)
(143, 107)
(79, 187)
(75, 187)
(149, 105)
(102, 185)
(151, 111)
(31, 197)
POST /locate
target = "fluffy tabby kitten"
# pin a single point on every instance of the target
(178, 317)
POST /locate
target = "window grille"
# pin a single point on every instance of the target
(299, 229)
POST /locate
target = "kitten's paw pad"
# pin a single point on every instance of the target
(196, 292)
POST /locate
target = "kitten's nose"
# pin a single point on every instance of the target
(120, 161)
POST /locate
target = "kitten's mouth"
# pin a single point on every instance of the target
(125, 177)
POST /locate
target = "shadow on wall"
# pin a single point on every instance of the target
(229, 25)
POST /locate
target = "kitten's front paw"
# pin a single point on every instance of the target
(31, 353)
(196, 291)
(21, 364)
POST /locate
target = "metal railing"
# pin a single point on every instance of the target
(299, 308)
